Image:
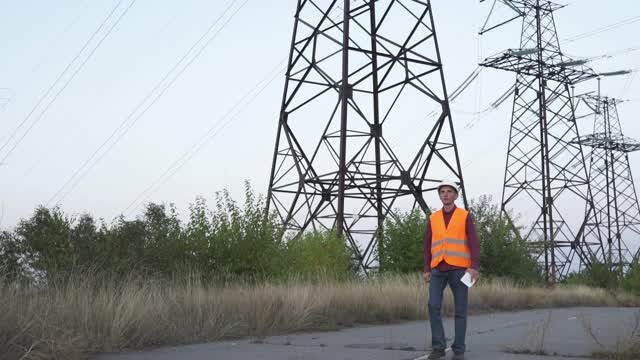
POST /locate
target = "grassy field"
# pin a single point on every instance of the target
(88, 314)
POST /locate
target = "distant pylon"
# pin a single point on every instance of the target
(614, 193)
(545, 176)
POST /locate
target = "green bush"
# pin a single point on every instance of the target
(597, 275)
(502, 253)
(227, 242)
(631, 280)
(323, 254)
(11, 265)
(45, 242)
(402, 248)
(241, 240)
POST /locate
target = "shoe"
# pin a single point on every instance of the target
(458, 356)
(436, 355)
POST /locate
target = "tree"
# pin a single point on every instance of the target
(402, 248)
(502, 253)
(45, 240)
(631, 280)
(11, 262)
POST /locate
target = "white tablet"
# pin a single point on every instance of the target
(466, 279)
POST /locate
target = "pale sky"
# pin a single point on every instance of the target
(39, 39)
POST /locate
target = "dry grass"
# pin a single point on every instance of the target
(89, 315)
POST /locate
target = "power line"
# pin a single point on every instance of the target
(128, 123)
(465, 84)
(608, 55)
(68, 81)
(43, 57)
(459, 90)
(55, 82)
(616, 53)
(597, 31)
(211, 133)
(132, 118)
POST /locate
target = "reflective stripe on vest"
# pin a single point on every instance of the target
(449, 243)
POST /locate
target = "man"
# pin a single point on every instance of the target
(451, 248)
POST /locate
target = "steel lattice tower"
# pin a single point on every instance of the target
(545, 171)
(614, 193)
(346, 153)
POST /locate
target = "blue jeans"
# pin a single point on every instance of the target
(439, 280)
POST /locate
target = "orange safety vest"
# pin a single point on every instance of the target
(450, 243)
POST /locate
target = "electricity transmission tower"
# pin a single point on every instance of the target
(545, 174)
(353, 139)
(614, 193)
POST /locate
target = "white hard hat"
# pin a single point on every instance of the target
(449, 183)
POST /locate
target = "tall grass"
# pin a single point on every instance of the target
(90, 313)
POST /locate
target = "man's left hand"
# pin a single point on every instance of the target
(475, 274)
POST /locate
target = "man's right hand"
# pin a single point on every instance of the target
(427, 276)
